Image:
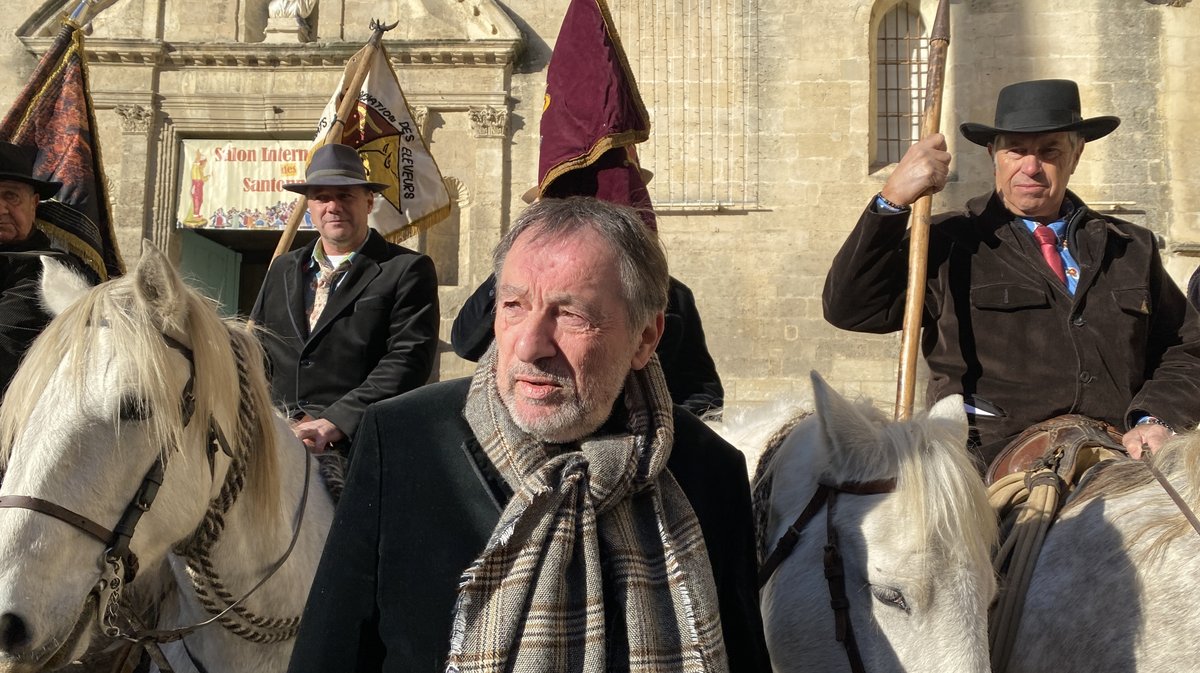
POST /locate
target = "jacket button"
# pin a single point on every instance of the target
(302, 403)
(1085, 377)
(306, 362)
(1078, 321)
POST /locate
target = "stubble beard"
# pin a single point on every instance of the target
(572, 414)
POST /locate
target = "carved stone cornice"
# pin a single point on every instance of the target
(489, 122)
(439, 53)
(135, 118)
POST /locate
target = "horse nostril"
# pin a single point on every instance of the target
(13, 633)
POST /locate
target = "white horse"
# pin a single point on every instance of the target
(1117, 584)
(100, 402)
(918, 577)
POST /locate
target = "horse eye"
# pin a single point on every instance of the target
(890, 596)
(133, 408)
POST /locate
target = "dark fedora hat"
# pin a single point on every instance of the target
(334, 165)
(16, 164)
(1040, 106)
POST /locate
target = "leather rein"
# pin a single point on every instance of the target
(119, 565)
(835, 572)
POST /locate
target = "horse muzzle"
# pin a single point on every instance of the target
(21, 651)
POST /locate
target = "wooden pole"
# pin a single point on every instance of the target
(349, 99)
(918, 247)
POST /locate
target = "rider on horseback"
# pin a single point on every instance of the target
(1037, 306)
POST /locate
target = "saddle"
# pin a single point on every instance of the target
(1069, 445)
(1027, 485)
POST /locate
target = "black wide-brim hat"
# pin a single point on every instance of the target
(1040, 106)
(335, 165)
(16, 164)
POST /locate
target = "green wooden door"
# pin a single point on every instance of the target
(211, 268)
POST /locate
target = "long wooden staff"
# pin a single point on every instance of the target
(334, 132)
(918, 247)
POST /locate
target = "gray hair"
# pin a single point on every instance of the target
(641, 262)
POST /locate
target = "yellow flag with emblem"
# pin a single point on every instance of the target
(381, 127)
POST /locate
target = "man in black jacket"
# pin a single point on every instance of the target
(22, 245)
(554, 509)
(349, 319)
(1036, 305)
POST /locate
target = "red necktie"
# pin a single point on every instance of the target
(1048, 242)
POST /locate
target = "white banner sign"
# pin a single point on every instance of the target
(238, 184)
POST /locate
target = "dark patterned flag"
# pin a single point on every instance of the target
(54, 114)
(593, 115)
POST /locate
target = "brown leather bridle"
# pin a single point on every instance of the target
(835, 572)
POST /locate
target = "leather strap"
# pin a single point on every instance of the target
(1166, 485)
(787, 543)
(59, 512)
(791, 538)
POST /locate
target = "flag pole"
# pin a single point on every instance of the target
(87, 10)
(345, 107)
(918, 249)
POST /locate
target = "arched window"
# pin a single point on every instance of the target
(901, 63)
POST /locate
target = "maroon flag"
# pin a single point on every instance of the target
(54, 114)
(593, 115)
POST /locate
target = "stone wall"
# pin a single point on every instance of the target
(757, 269)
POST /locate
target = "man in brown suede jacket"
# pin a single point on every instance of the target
(1036, 306)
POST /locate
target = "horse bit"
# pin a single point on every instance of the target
(835, 572)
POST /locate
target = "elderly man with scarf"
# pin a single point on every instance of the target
(555, 512)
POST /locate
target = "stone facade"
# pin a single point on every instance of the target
(773, 103)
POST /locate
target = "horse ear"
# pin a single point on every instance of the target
(843, 424)
(159, 286)
(951, 410)
(61, 285)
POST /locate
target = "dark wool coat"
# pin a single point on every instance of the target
(690, 371)
(21, 316)
(1000, 329)
(376, 338)
(420, 503)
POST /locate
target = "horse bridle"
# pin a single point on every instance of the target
(835, 572)
(119, 565)
(116, 541)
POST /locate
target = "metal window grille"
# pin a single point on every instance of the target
(901, 65)
(696, 65)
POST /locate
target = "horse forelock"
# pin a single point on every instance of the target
(938, 482)
(135, 336)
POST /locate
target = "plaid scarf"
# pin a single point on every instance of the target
(597, 562)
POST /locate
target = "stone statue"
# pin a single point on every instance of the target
(284, 9)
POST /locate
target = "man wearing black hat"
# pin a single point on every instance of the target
(349, 319)
(1036, 306)
(21, 246)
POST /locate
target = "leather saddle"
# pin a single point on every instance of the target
(1068, 445)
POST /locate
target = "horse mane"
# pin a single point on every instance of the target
(763, 482)
(1179, 462)
(228, 367)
